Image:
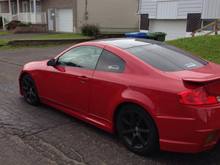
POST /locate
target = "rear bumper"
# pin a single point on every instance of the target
(193, 134)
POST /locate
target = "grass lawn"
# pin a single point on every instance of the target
(4, 33)
(58, 36)
(207, 47)
(49, 36)
(3, 42)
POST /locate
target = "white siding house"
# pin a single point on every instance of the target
(175, 17)
(211, 9)
(28, 11)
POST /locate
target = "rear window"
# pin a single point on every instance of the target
(166, 58)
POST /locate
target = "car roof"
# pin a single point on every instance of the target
(126, 43)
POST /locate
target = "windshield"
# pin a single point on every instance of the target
(166, 58)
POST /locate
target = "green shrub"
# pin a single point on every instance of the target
(90, 30)
(158, 36)
(13, 24)
(24, 24)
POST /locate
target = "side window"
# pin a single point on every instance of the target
(110, 63)
(83, 57)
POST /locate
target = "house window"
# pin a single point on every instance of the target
(32, 6)
(25, 6)
(38, 6)
(13, 8)
(194, 22)
(144, 22)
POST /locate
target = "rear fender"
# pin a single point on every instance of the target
(130, 96)
(135, 97)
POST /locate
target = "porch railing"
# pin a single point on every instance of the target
(7, 17)
(215, 25)
(39, 18)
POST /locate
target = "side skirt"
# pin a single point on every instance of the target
(102, 124)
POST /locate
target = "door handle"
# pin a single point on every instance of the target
(83, 77)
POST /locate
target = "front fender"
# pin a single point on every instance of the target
(23, 72)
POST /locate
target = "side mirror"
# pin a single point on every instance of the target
(52, 62)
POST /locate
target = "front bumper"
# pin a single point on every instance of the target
(193, 134)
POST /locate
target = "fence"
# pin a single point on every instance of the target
(214, 28)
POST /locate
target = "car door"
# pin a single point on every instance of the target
(68, 83)
(107, 83)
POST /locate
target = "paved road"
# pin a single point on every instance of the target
(42, 135)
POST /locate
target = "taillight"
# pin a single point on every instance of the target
(197, 96)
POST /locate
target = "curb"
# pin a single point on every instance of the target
(46, 42)
(34, 42)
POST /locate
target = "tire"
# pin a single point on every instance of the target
(29, 90)
(137, 130)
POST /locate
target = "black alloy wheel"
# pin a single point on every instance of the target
(29, 90)
(137, 130)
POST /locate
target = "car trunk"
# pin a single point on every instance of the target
(211, 84)
(208, 76)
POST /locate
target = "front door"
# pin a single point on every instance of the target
(68, 84)
(51, 18)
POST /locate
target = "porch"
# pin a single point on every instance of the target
(27, 11)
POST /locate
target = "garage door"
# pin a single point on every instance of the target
(173, 28)
(64, 20)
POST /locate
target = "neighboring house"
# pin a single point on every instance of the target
(177, 18)
(70, 15)
(29, 11)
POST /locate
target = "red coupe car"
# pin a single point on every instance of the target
(151, 94)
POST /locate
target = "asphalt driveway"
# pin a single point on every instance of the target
(42, 135)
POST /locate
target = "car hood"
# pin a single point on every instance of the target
(35, 65)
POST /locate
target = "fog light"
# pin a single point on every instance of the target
(218, 98)
(211, 137)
